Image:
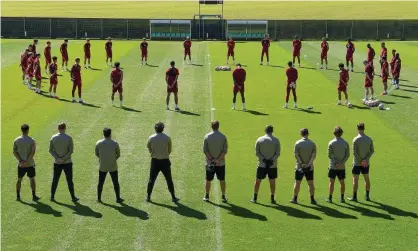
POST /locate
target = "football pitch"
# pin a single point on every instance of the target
(388, 222)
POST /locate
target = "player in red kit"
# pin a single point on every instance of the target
(29, 69)
(392, 63)
(37, 73)
(47, 55)
(343, 83)
(187, 45)
(370, 54)
(64, 55)
(231, 46)
(171, 77)
(24, 64)
(87, 54)
(385, 74)
(297, 46)
(53, 78)
(239, 76)
(324, 53)
(108, 48)
(292, 77)
(144, 51)
(383, 53)
(76, 78)
(349, 56)
(397, 70)
(265, 44)
(368, 81)
(116, 77)
(35, 43)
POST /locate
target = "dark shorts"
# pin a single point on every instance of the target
(262, 172)
(22, 171)
(219, 171)
(359, 169)
(299, 174)
(333, 173)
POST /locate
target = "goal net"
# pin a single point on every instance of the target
(170, 29)
(246, 29)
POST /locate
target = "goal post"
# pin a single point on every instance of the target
(170, 29)
(246, 29)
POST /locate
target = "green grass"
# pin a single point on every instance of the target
(280, 10)
(389, 223)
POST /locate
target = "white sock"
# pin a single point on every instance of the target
(121, 103)
(113, 102)
(177, 106)
(339, 101)
(233, 105)
(243, 105)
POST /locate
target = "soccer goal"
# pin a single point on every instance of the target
(170, 29)
(246, 29)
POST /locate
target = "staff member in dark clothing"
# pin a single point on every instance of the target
(61, 147)
(108, 152)
(24, 148)
(159, 146)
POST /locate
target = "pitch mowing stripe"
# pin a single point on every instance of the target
(212, 117)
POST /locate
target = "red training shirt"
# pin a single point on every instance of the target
(187, 44)
(116, 75)
(231, 45)
(350, 48)
(324, 46)
(297, 45)
(265, 43)
(171, 74)
(108, 46)
(63, 49)
(292, 75)
(239, 75)
(76, 72)
(144, 46)
(344, 77)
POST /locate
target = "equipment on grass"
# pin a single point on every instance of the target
(222, 68)
(381, 106)
(372, 103)
(349, 105)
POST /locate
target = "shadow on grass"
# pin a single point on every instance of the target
(305, 110)
(391, 209)
(129, 109)
(90, 105)
(330, 212)
(361, 107)
(365, 212)
(410, 86)
(129, 211)
(43, 208)
(400, 96)
(293, 212)
(152, 66)
(183, 210)
(387, 102)
(256, 113)
(276, 66)
(95, 69)
(405, 90)
(197, 64)
(188, 113)
(240, 211)
(81, 210)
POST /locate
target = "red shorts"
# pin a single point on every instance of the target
(64, 57)
(324, 55)
(77, 83)
(87, 55)
(368, 83)
(187, 52)
(173, 89)
(370, 61)
(30, 74)
(109, 54)
(265, 51)
(144, 53)
(48, 60)
(349, 58)
(117, 89)
(236, 89)
(53, 81)
(342, 88)
(384, 78)
(24, 68)
(296, 53)
(38, 77)
(231, 53)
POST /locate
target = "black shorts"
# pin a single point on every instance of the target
(299, 174)
(262, 172)
(359, 169)
(22, 171)
(333, 173)
(219, 171)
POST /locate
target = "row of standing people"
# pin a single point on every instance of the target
(215, 148)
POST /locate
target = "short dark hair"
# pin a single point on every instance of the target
(290, 63)
(77, 59)
(172, 63)
(159, 127)
(239, 65)
(341, 65)
(269, 129)
(368, 45)
(304, 132)
(35, 40)
(360, 126)
(117, 64)
(54, 58)
(24, 128)
(107, 132)
(38, 54)
(384, 58)
(215, 125)
(62, 126)
(338, 131)
(65, 40)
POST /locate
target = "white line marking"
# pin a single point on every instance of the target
(212, 117)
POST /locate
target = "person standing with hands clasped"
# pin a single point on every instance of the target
(305, 154)
(61, 147)
(108, 152)
(267, 150)
(215, 147)
(159, 146)
(363, 150)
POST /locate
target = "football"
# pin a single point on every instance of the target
(381, 106)
(349, 105)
